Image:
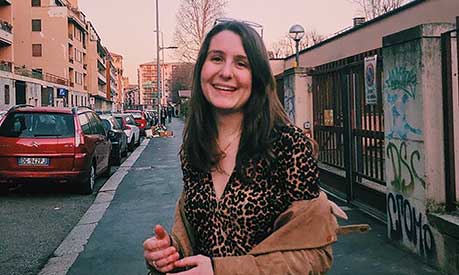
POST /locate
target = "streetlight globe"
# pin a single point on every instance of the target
(296, 32)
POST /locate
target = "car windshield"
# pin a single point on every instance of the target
(129, 120)
(38, 125)
(120, 120)
(136, 115)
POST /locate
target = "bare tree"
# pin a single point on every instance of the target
(286, 46)
(375, 8)
(194, 19)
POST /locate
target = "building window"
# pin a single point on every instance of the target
(36, 3)
(36, 25)
(36, 50)
(78, 78)
(7, 94)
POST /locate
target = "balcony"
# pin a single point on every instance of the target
(6, 34)
(102, 78)
(6, 66)
(85, 66)
(71, 60)
(70, 36)
(72, 84)
(5, 2)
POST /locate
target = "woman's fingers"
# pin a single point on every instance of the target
(191, 261)
(168, 260)
(159, 254)
(161, 233)
(153, 244)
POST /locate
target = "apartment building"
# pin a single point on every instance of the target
(6, 53)
(118, 63)
(131, 96)
(147, 81)
(111, 76)
(51, 55)
(50, 37)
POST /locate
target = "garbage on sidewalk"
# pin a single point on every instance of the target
(161, 131)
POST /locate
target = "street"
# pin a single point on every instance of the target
(34, 221)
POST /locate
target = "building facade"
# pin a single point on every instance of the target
(52, 56)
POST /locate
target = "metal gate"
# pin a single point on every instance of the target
(450, 87)
(350, 133)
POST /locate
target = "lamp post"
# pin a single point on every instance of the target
(296, 32)
(160, 74)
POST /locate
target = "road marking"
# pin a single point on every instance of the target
(66, 254)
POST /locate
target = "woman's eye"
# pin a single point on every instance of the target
(216, 58)
(242, 64)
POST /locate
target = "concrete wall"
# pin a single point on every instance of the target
(412, 98)
(12, 99)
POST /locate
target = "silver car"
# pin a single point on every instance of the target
(129, 127)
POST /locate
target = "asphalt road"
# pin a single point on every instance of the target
(34, 219)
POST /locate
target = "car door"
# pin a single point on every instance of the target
(103, 144)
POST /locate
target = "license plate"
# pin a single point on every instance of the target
(26, 161)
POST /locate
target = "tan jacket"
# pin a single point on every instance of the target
(300, 244)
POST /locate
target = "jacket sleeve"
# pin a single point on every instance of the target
(300, 244)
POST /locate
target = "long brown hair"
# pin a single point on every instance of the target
(262, 112)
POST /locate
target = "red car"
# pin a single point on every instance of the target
(53, 144)
(141, 119)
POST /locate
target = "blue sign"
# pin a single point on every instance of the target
(61, 92)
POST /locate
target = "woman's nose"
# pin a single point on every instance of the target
(226, 70)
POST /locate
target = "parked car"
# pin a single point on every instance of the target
(2, 113)
(118, 138)
(129, 126)
(53, 144)
(141, 119)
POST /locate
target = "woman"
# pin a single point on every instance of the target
(250, 203)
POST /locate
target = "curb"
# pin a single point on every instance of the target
(67, 252)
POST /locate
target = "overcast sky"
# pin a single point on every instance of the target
(126, 27)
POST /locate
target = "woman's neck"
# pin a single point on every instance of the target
(229, 124)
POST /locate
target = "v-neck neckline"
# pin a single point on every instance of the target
(214, 192)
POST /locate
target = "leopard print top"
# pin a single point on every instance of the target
(251, 202)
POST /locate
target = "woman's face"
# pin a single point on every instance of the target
(226, 78)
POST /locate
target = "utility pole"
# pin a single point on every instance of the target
(158, 70)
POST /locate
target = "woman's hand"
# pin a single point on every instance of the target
(202, 265)
(159, 252)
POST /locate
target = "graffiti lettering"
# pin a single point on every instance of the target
(400, 87)
(399, 158)
(406, 224)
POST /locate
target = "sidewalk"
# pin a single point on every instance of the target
(146, 196)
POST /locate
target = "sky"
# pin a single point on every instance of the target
(126, 27)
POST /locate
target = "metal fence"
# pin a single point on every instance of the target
(450, 84)
(350, 133)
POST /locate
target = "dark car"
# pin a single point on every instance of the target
(117, 137)
(44, 144)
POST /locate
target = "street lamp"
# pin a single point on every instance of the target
(160, 81)
(296, 32)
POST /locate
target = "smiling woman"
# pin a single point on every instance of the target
(250, 179)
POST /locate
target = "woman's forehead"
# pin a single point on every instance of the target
(227, 42)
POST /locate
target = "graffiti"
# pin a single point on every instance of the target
(289, 98)
(400, 87)
(406, 224)
(402, 161)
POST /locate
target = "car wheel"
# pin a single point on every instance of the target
(88, 185)
(131, 144)
(125, 152)
(108, 172)
(138, 142)
(118, 157)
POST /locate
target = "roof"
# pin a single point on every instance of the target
(363, 25)
(42, 109)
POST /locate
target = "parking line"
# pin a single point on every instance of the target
(65, 255)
